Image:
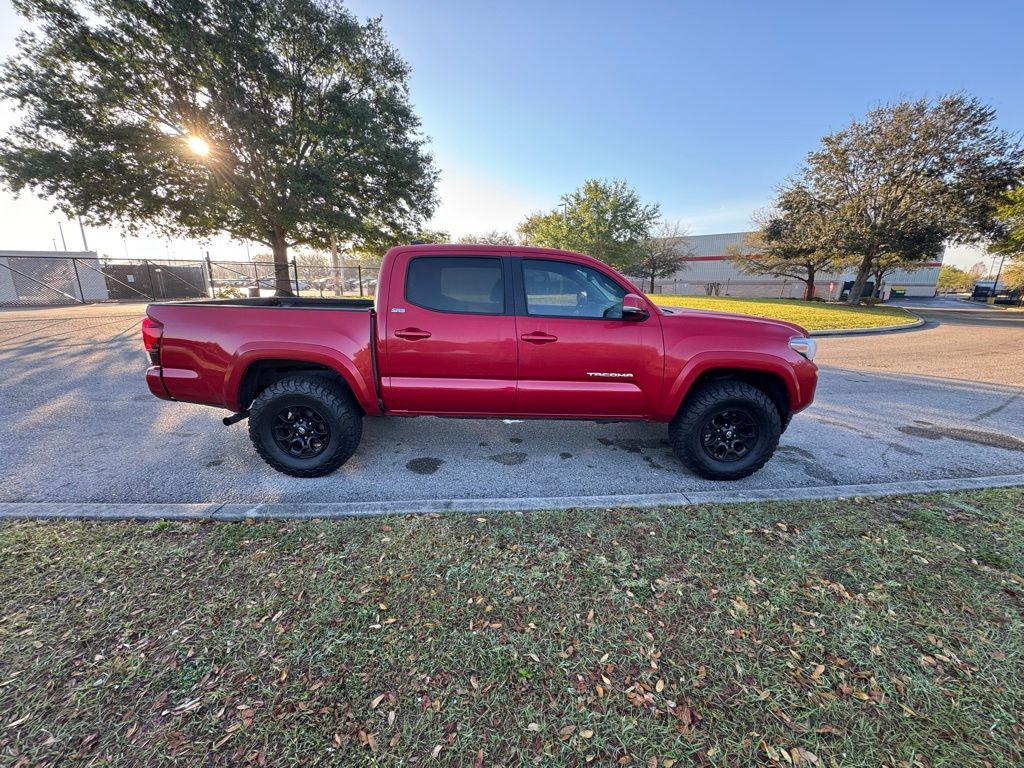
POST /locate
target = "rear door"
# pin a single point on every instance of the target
(577, 356)
(450, 335)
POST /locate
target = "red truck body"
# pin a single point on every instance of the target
(535, 358)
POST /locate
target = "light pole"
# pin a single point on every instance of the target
(62, 240)
(81, 228)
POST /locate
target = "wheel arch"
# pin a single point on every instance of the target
(772, 376)
(255, 370)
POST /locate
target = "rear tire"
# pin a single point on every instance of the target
(305, 426)
(726, 430)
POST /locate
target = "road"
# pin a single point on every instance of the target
(943, 401)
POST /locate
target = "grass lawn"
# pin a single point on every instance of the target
(882, 632)
(812, 315)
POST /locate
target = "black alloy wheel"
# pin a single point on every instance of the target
(301, 432)
(729, 435)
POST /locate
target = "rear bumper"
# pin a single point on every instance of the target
(156, 383)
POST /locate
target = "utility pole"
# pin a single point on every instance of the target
(81, 228)
(995, 283)
(62, 240)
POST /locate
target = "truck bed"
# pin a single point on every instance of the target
(209, 348)
(285, 302)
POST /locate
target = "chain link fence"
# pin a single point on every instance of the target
(259, 278)
(28, 280)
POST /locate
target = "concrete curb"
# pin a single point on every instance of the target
(303, 511)
(861, 331)
(981, 306)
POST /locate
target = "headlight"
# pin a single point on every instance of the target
(805, 346)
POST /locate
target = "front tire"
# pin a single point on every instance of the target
(305, 426)
(726, 430)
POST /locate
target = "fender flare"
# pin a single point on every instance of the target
(254, 352)
(704, 362)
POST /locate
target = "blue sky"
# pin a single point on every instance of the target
(704, 108)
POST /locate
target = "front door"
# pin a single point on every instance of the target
(577, 356)
(450, 336)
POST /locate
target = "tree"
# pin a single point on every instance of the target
(1013, 275)
(312, 265)
(371, 253)
(424, 235)
(911, 176)
(663, 254)
(886, 264)
(493, 237)
(604, 219)
(953, 279)
(792, 240)
(284, 123)
(977, 270)
(1010, 217)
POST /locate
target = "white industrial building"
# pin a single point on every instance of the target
(711, 269)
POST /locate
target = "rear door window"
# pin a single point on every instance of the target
(466, 284)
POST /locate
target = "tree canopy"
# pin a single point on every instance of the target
(662, 254)
(603, 219)
(1009, 238)
(285, 123)
(909, 177)
(491, 237)
(1013, 275)
(954, 280)
(792, 240)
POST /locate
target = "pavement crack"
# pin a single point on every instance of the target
(997, 409)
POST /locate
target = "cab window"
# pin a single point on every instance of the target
(564, 289)
(467, 284)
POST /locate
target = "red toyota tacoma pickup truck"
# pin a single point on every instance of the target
(484, 331)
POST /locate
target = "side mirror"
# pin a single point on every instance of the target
(634, 308)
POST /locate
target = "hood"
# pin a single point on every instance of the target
(740, 323)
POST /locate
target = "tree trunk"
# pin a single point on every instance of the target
(809, 295)
(652, 283)
(335, 267)
(282, 279)
(862, 277)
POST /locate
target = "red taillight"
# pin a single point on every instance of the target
(152, 330)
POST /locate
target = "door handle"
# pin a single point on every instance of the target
(538, 337)
(412, 334)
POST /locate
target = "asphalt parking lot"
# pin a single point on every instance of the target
(943, 401)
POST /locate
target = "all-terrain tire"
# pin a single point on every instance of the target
(330, 400)
(714, 398)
